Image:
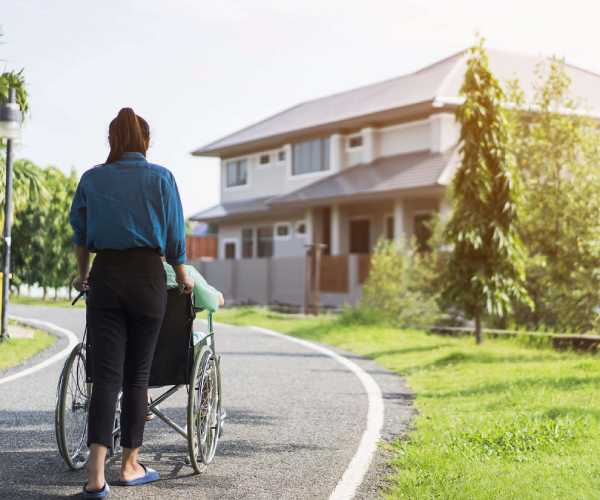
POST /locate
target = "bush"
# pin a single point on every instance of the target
(400, 289)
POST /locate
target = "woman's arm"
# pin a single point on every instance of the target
(175, 244)
(82, 255)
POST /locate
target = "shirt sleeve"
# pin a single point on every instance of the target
(78, 216)
(175, 244)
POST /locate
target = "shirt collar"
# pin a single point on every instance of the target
(132, 155)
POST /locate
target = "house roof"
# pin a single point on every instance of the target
(422, 92)
(232, 209)
(385, 175)
(381, 177)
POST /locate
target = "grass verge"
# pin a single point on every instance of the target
(503, 420)
(38, 301)
(15, 351)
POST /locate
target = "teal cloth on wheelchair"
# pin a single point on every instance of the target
(204, 295)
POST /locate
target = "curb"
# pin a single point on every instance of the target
(52, 329)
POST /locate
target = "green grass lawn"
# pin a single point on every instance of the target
(15, 351)
(499, 421)
(37, 301)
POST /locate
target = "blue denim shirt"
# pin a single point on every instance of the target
(127, 204)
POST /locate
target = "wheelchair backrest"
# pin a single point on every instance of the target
(174, 353)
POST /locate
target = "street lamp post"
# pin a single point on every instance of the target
(10, 126)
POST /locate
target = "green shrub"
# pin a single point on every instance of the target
(400, 288)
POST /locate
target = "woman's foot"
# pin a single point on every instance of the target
(131, 471)
(90, 492)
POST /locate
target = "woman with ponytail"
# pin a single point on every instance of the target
(127, 211)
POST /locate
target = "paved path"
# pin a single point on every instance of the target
(295, 418)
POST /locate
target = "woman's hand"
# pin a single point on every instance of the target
(186, 284)
(183, 280)
(81, 284)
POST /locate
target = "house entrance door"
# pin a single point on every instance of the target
(360, 232)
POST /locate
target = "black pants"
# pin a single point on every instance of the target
(125, 309)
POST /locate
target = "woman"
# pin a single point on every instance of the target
(129, 213)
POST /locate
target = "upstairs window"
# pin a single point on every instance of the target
(355, 142)
(237, 173)
(310, 156)
(264, 159)
(281, 156)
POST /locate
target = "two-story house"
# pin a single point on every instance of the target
(350, 168)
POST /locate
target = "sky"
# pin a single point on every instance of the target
(199, 70)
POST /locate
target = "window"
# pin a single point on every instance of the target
(300, 228)
(355, 142)
(230, 250)
(282, 231)
(264, 159)
(264, 241)
(422, 230)
(247, 243)
(237, 173)
(311, 156)
(281, 156)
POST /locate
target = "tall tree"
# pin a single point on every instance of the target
(557, 149)
(486, 267)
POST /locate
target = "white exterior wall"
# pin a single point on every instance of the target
(437, 133)
(290, 246)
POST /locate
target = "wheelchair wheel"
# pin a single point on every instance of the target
(203, 422)
(71, 414)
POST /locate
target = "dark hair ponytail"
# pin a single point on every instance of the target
(127, 132)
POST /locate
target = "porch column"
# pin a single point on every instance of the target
(399, 227)
(310, 226)
(445, 209)
(335, 236)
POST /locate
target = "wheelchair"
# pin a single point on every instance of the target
(183, 359)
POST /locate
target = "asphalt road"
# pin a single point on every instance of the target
(295, 419)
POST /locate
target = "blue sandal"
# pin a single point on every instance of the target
(103, 493)
(149, 477)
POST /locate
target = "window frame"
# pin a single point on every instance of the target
(269, 156)
(258, 242)
(349, 147)
(285, 237)
(325, 145)
(238, 161)
(229, 241)
(245, 240)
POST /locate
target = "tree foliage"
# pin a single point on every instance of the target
(557, 151)
(399, 288)
(42, 248)
(486, 267)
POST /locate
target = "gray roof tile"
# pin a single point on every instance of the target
(384, 175)
(440, 81)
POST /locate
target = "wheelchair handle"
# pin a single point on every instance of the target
(81, 294)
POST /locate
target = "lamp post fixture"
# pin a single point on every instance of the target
(10, 128)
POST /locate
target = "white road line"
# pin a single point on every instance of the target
(49, 327)
(358, 466)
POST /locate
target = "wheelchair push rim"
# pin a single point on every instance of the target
(72, 405)
(204, 420)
